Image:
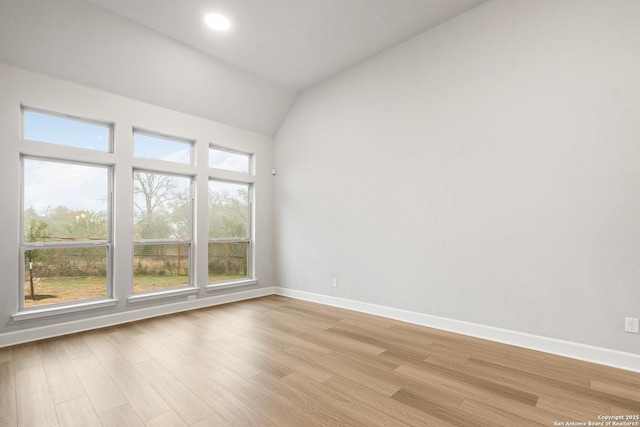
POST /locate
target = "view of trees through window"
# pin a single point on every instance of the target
(68, 217)
(66, 231)
(229, 231)
(162, 231)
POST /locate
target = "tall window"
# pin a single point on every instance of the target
(66, 213)
(66, 240)
(229, 231)
(162, 231)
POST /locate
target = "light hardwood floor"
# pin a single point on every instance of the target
(277, 361)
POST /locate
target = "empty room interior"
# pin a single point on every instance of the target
(319, 212)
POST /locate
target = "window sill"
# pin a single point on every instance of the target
(234, 284)
(35, 313)
(162, 294)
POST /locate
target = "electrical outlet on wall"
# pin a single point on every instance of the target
(631, 325)
(334, 283)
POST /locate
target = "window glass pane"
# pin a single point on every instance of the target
(162, 206)
(65, 202)
(65, 131)
(160, 266)
(228, 261)
(54, 275)
(156, 147)
(228, 160)
(228, 210)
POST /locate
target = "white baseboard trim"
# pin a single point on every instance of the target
(588, 353)
(50, 331)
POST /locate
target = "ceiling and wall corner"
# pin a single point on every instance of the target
(160, 51)
(77, 58)
(77, 41)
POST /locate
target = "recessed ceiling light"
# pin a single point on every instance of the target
(217, 22)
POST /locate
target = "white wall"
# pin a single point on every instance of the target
(486, 171)
(34, 90)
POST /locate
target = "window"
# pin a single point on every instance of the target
(234, 161)
(162, 148)
(83, 192)
(162, 231)
(66, 130)
(66, 243)
(229, 231)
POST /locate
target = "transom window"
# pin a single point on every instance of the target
(66, 130)
(153, 146)
(235, 161)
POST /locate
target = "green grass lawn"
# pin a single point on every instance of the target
(63, 289)
(154, 283)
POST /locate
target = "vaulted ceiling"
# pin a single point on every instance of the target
(160, 51)
(294, 43)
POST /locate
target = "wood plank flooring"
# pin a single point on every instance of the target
(276, 361)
